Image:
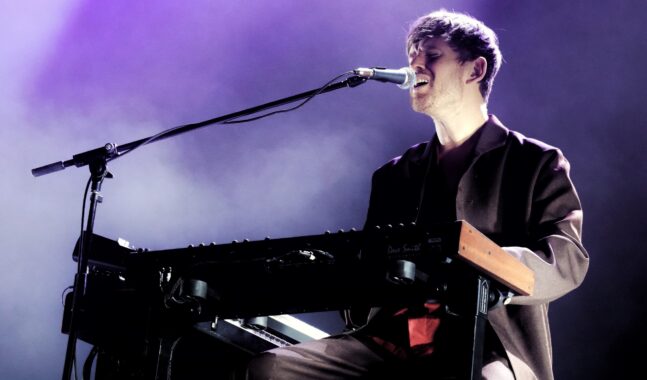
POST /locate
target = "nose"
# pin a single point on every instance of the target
(418, 63)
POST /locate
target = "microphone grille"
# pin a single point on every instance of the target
(410, 78)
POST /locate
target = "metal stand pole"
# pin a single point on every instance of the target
(98, 171)
(479, 318)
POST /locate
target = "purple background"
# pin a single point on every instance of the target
(77, 74)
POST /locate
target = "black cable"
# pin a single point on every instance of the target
(170, 359)
(79, 265)
(64, 293)
(85, 197)
(87, 366)
(234, 121)
(306, 100)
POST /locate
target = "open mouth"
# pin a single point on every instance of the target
(420, 82)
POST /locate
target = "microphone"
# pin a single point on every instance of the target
(405, 77)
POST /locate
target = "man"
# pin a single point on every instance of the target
(515, 190)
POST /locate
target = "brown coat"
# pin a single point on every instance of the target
(518, 192)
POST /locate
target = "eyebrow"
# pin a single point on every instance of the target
(429, 47)
(423, 49)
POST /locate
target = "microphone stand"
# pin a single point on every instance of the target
(97, 160)
(98, 172)
(111, 150)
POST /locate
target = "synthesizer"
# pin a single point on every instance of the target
(330, 271)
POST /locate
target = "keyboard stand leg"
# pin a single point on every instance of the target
(470, 295)
(479, 319)
(159, 358)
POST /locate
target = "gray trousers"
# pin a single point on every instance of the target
(346, 357)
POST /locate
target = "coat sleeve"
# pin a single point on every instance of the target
(356, 317)
(378, 201)
(555, 253)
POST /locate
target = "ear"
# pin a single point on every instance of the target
(477, 70)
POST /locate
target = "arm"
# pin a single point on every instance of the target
(556, 254)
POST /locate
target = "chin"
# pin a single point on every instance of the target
(418, 106)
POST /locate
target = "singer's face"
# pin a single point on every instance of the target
(440, 84)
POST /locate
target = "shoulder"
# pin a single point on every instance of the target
(497, 135)
(518, 151)
(415, 154)
(529, 143)
(535, 150)
(412, 158)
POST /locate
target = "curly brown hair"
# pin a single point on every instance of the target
(469, 37)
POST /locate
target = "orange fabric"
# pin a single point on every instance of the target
(410, 332)
(422, 329)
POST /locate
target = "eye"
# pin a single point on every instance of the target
(430, 57)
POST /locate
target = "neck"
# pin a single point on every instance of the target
(457, 126)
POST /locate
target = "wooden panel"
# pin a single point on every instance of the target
(478, 250)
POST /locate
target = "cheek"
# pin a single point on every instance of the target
(449, 79)
(432, 72)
